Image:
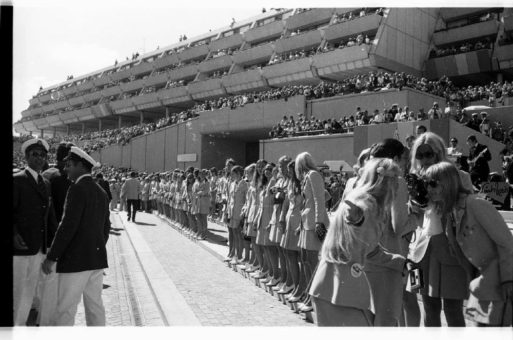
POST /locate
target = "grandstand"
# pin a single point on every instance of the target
(276, 49)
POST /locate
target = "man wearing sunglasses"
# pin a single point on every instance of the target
(34, 225)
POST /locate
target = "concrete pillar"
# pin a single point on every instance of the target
(119, 122)
(54, 132)
(167, 112)
(141, 115)
(83, 128)
(99, 125)
(68, 130)
(42, 133)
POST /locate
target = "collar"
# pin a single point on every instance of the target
(33, 172)
(83, 176)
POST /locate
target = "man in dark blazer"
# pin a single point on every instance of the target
(78, 251)
(34, 226)
(104, 185)
(478, 159)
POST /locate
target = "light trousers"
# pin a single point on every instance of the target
(71, 288)
(26, 271)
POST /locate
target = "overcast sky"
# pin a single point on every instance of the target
(56, 38)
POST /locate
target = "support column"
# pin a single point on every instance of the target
(42, 133)
(141, 115)
(167, 112)
(119, 122)
(83, 128)
(500, 77)
(99, 125)
(54, 132)
(68, 130)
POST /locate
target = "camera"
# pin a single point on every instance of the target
(415, 278)
(417, 190)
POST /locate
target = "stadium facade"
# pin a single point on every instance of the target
(401, 40)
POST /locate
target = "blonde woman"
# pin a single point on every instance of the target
(478, 235)
(237, 198)
(340, 290)
(201, 206)
(248, 210)
(314, 217)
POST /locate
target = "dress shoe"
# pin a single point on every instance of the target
(255, 274)
(227, 259)
(278, 287)
(273, 282)
(305, 308)
(262, 275)
(285, 289)
(265, 279)
(294, 299)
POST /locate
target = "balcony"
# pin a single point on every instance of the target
(233, 42)
(117, 76)
(504, 55)
(26, 113)
(342, 10)
(68, 117)
(215, 64)
(45, 98)
(289, 72)
(313, 17)
(460, 64)
(102, 81)
(184, 72)
(84, 114)
(274, 29)
(157, 79)
(74, 101)
(207, 88)
(34, 101)
(29, 126)
(54, 120)
(68, 91)
(193, 53)
(87, 85)
(301, 41)
(142, 68)
(450, 14)
(174, 95)
(166, 61)
(133, 85)
(60, 105)
(101, 110)
(40, 123)
(49, 108)
(480, 29)
(91, 97)
(122, 106)
(365, 25)
(254, 55)
(146, 101)
(339, 63)
(111, 91)
(251, 80)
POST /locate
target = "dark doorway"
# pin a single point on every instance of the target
(252, 152)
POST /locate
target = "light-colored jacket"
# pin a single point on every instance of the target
(131, 189)
(237, 199)
(314, 210)
(486, 242)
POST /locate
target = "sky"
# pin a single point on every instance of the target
(56, 38)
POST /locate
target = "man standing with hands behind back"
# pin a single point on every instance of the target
(33, 226)
(79, 245)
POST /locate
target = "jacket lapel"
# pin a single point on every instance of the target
(33, 183)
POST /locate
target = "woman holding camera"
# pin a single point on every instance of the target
(340, 290)
(479, 238)
(314, 218)
(444, 279)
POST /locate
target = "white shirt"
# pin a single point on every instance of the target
(84, 175)
(32, 172)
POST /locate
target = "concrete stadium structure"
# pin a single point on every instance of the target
(402, 39)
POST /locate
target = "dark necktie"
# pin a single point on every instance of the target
(41, 184)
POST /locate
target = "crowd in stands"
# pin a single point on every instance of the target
(363, 12)
(461, 48)
(222, 52)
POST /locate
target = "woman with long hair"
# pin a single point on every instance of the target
(172, 191)
(249, 172)
(340, 291)
(187, 204)
(291, 208)
(262, 219)
(237, 199)
(278, 222)
(478, 236)
(314, 218)
(201, 206)
(444, 278)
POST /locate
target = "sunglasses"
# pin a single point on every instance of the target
(427, 154)
(431, 183)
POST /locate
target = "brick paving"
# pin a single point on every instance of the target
(217, 295)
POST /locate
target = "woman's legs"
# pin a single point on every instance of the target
(259, 253)
(453, 310)
(293, 268)
(303, 282)
(311, 263)
(254, 249)
(274, 258)
(283, 265)
(267, 260)
(247, 248)
(432, 310)
(411, 309)
(231, 247)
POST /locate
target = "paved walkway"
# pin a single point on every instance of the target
(215, 294)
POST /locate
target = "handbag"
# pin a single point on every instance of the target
(321, 230)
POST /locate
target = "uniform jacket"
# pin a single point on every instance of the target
(201, 197)
(237, 199)
(60, 185)
(314, 210)
(131, 189)
(79, 243)
(33, 213)
(105, 186)
(486, 242)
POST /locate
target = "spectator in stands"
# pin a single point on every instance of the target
(474, 123)
(454, 151)
(420, 130)
(484, 127)
(435, 112)
(478, 159)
